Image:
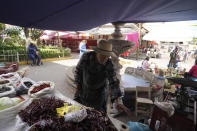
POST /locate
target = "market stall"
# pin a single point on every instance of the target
(29, 105)
(67, 39)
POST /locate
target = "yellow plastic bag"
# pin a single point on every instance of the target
(66, 109)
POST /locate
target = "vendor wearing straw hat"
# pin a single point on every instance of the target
(93, 74)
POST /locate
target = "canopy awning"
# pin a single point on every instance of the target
(171, 31)
(78, 15)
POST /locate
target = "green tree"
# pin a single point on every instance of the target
(2, 28)
(13, 32)
(35, 33)
(13, 35)
(32, 33)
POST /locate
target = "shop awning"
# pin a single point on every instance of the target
(78, 15)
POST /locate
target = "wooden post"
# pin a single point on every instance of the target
(139, 40)
(59, 40)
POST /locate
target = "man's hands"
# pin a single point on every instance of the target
(121, 107)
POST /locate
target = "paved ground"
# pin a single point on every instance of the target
(53, 71)
(163, 62)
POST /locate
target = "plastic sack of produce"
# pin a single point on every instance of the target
(8, 115)
(4, 82)
(42, 114)
(76, 116)
(166, 106)
(23, 86)
(6, 90)
(41, 88)
(6, 102)
(13, 77)
(71, 113)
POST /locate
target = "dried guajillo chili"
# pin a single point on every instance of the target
(38, 88)
(42, 116)
(39, 109)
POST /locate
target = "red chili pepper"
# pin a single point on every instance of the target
(38, 88)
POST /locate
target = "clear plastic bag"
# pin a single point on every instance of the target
(76, 116)
(166, 106)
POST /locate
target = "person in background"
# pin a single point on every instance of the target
(34, 54)
(145, 64)
(94, 74)
(185, 56)
(82, 47)
(173, 58)
(43, 42)
(192, 74)
(195, 54)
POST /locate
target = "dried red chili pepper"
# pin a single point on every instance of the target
(42, 115)
(38, 88)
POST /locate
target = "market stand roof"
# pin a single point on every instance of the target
(78, 15)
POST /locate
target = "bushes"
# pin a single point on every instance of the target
(10, 52)
(54, 53)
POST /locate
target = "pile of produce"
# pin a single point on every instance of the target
(169, 84)
(23, 86)
(4, 89)
(28, 84)
(38, 88)
(2, 82)
(8, 76)
(41, 115)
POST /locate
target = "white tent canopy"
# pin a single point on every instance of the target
(171, 31)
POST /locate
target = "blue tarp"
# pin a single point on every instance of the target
(77, 15)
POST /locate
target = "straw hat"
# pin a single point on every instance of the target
(104, 47)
